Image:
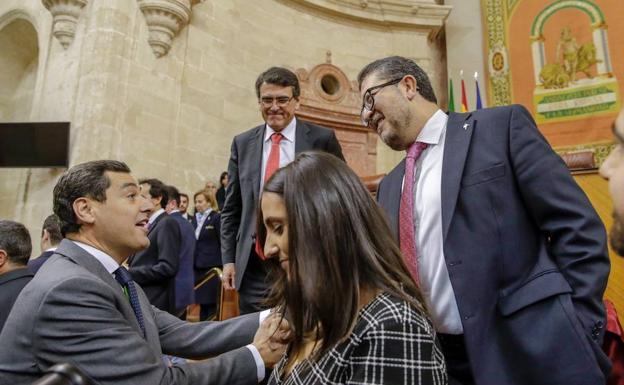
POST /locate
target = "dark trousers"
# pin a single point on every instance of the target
(254, 289)
(456, 356)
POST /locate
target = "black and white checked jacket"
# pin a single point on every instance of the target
(392, 343)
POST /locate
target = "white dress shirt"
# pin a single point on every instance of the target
(200, 221)
(435, 283)
(111, 265)
(287, 147)
(153, 217)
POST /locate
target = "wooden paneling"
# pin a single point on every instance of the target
(597, 190)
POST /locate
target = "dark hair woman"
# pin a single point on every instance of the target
(358, 316)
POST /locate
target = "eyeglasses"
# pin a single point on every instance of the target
(281, 101)
(368, 101)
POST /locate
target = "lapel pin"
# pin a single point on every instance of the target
(466, 126)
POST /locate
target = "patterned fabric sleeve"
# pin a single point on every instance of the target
(398, 351)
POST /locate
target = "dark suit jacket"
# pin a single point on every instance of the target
(35, 264)
(74, 311)
(155, 268)
(221, 197)
(185, 279)
(208, 250)
(525, 251)
(11, 284)
(238, 217)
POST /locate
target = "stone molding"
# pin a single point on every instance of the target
(165, 18)
(394, 13)
(65, 14)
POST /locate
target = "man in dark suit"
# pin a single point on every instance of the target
(155, 268)
(263, 148)
(15, 248)
(184, 279)
(223, 182)
(82, 307)
(183, 207)
(50, 238)
(508, 252)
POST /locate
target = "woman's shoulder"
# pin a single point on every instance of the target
(387, 311)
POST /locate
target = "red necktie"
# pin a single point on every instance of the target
(274, 156)
(406, 212)
(271, 166)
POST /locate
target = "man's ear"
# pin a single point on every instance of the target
(4, 258)
(156, 201)
(45, 236)
(410, 86)
(83, 210)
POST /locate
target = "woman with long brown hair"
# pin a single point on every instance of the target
(357, 314)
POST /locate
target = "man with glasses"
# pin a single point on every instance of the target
(255, 155)
(508, 252)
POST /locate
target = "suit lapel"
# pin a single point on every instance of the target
(255, 159)
(89, 262)
(153, 226)
(393, 198)
(303, 141)
(458, 134)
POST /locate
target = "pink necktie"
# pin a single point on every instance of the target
(271, 166)
(406, 211)
(274, 156)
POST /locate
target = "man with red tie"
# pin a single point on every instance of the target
(507, 250)
(255, 155)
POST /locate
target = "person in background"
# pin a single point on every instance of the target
(210, 186)
(223, 181)
(156, 267)
(357, 314)
(207, 224)
(254, 156)
(184, 279)
(183, 206)
(15, 249)
(50, 238)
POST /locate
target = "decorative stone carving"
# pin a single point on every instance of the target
(423, 14)
(165, 18)
(330, 99)
(65, 15)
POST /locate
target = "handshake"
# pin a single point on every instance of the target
(271, 339)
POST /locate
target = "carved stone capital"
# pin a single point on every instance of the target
(165, 18)
(65, 14)
(421, 14)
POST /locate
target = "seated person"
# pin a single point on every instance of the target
(358, 317)
(15, 248)
(83, 307)
(50, 238)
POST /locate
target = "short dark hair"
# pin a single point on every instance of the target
(184, 195)
(223, 175)
(281, 77)
(173, 194)
(15, 240)
(157, 190)
(338, 234)
(396, 67)
(52, 225)
(83, 180)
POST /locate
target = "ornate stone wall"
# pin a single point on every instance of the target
(141, 85)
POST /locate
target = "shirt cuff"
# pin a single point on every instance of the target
(264, 314)
(259, 363)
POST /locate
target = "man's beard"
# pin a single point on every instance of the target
(616, 236)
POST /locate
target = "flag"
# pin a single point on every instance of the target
(464, 100)
(479, 104)
(451, 101)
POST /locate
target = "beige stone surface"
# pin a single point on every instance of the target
(171, 117)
